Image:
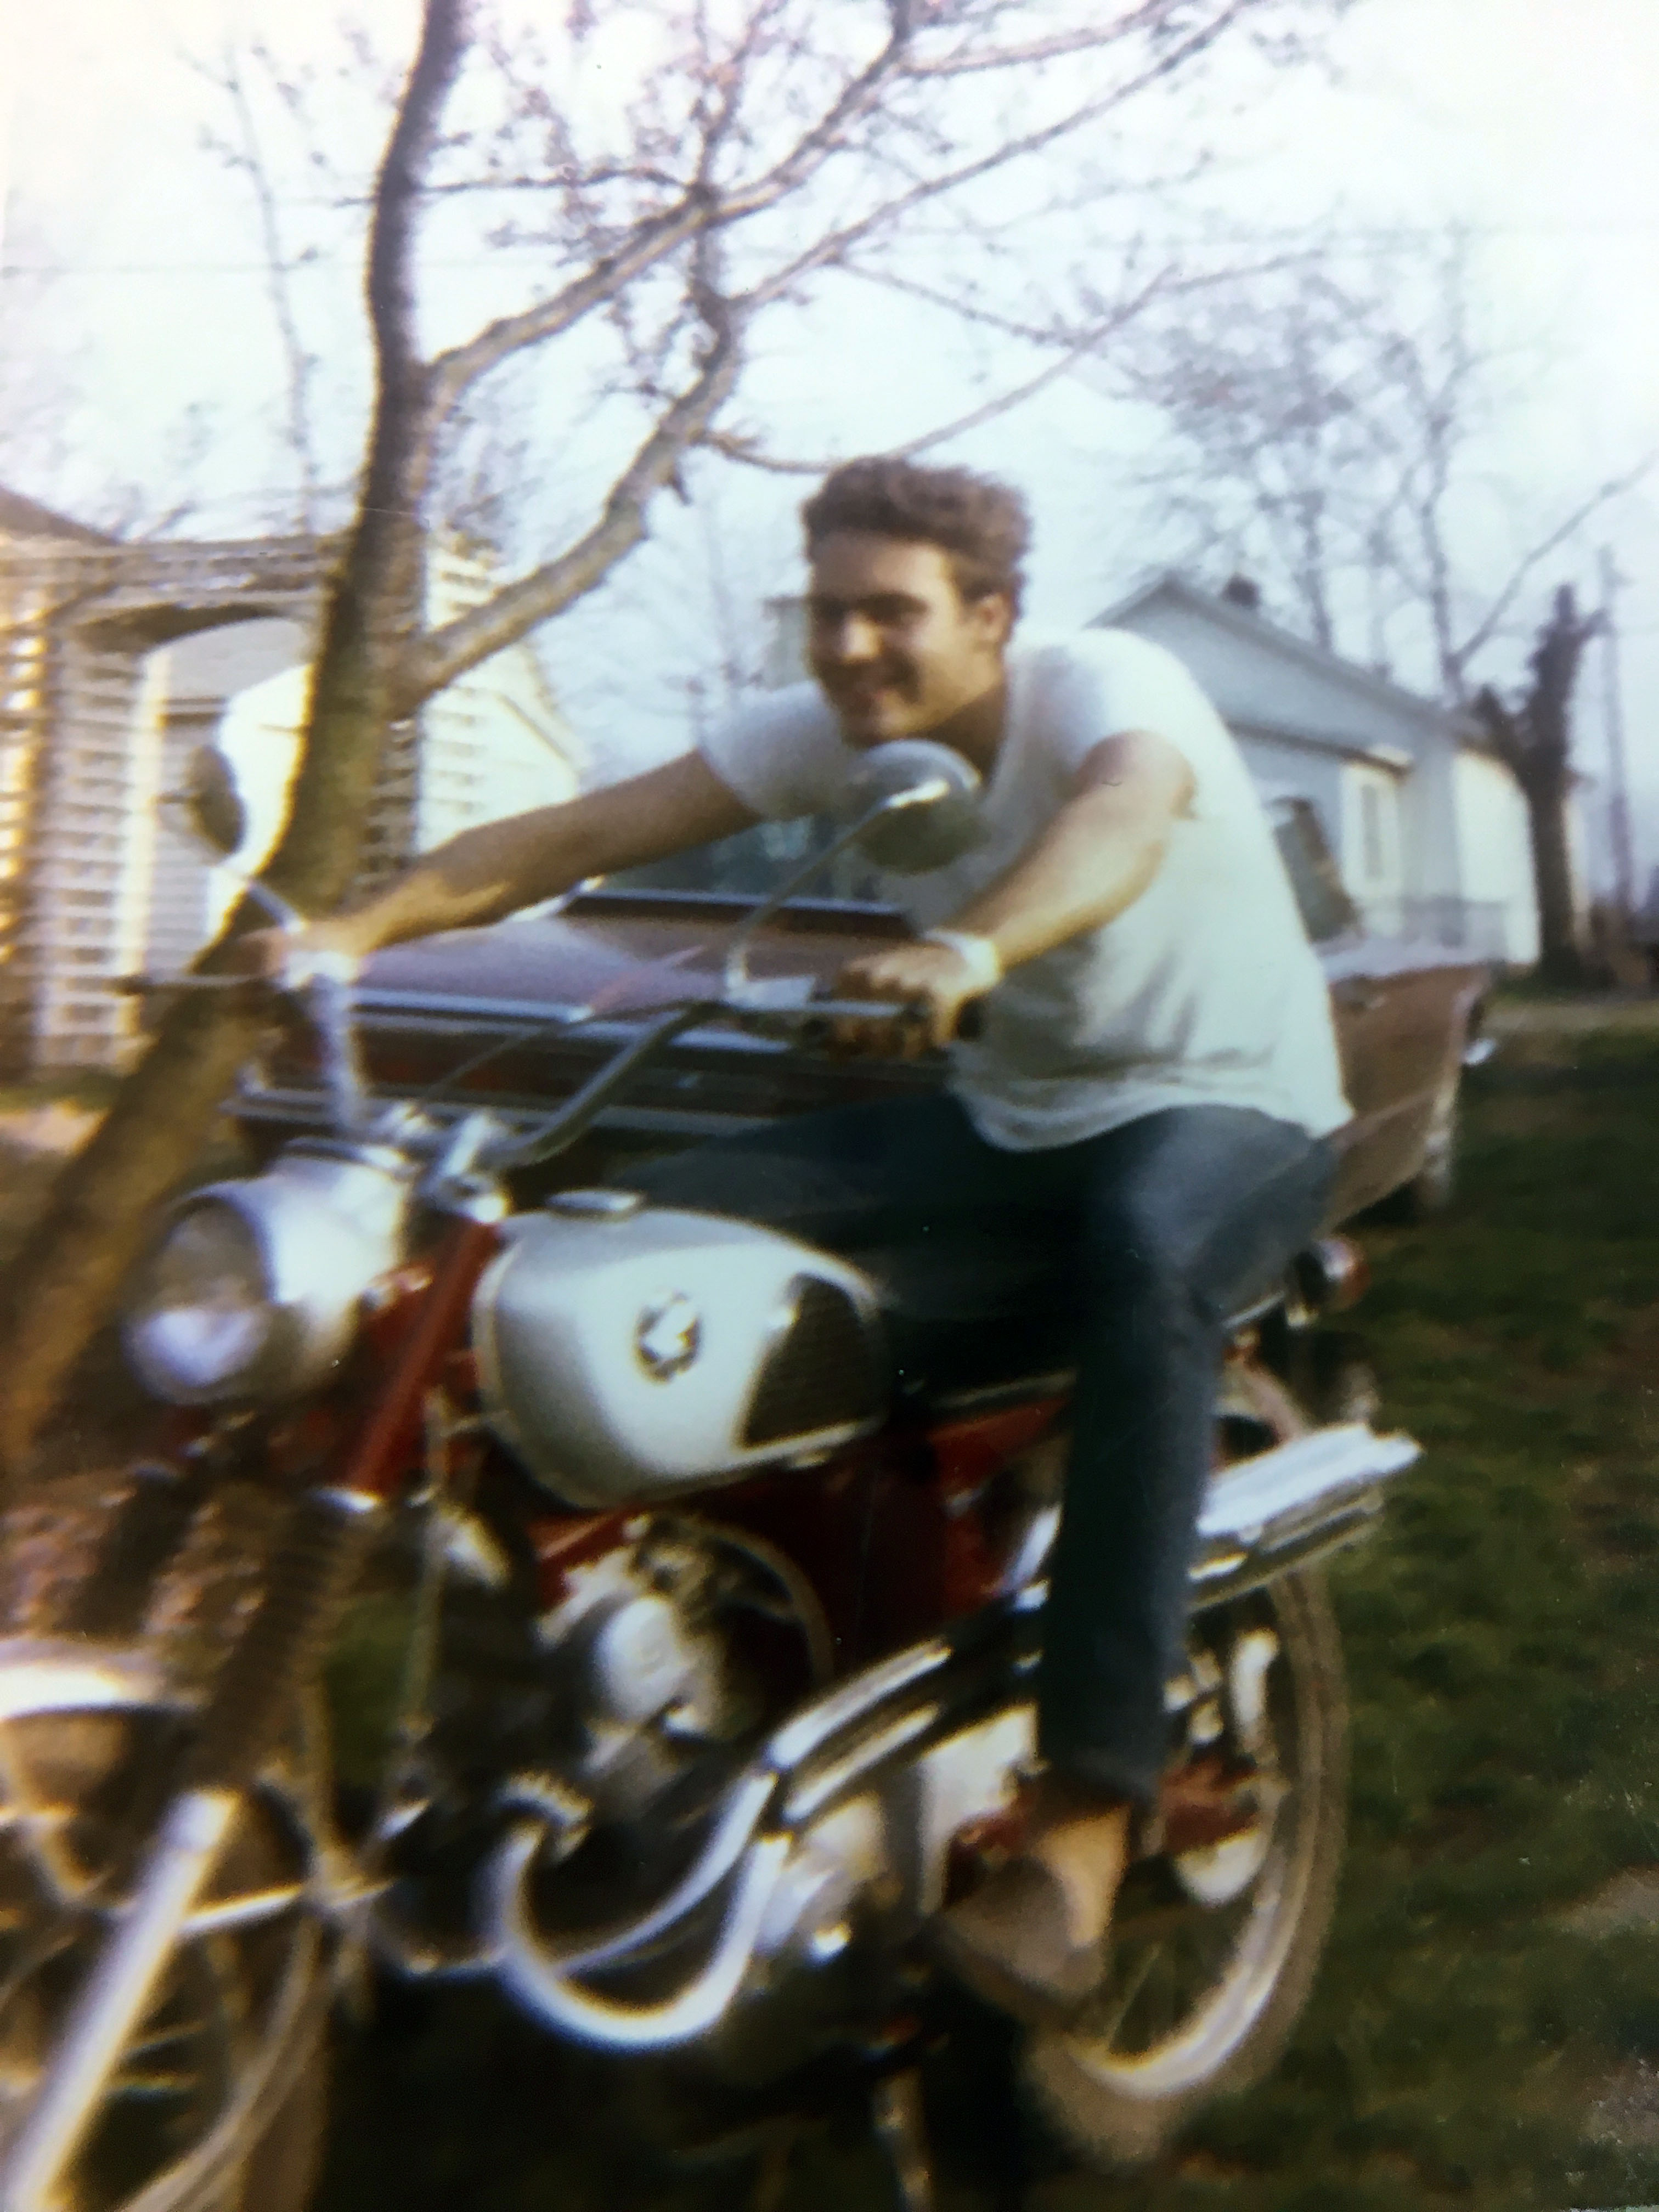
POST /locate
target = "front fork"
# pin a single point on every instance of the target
(306, 1593)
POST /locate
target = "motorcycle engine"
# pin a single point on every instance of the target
(655, 1696)
(648, 1692)
(624, 1714)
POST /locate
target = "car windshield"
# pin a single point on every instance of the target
(755, 862)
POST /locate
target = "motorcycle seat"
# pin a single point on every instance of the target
(977, 1312)
(970, 1313)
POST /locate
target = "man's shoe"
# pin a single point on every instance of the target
(1012, 1943)
(1209, 1801)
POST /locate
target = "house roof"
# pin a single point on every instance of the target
(26, 518)
(1394, 758)
(1258, 630)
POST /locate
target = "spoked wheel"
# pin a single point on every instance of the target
(215, 2104)
(1212, 1953)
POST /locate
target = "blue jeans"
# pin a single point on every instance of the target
(1160, 1231)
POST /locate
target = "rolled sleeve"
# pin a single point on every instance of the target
(781, 754)
(1112, 684)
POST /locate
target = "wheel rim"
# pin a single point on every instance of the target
(85, 1737)
(1192, 1967)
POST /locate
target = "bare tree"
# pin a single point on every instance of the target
(45, 373)
(241, 77)
(762, 147)
(1532, 733)
(1333, 433)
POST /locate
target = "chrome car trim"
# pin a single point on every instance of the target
(451, 1017)
(308, 1108)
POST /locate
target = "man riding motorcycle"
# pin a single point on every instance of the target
(1150, 1093)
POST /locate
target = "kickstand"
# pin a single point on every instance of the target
(902, 2126)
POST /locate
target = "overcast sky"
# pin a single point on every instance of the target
(1530, 119)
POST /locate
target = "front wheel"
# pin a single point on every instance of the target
(216, 2104)
(218, 2101)
(1212, 1953)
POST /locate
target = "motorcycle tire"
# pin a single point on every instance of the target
(1120, 2083)
(219, 2103)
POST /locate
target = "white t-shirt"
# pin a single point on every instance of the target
(1204, 992)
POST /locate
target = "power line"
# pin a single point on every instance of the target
(1357, 235)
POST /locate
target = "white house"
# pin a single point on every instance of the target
(494, 743)
(1428, 826)
(116, 660)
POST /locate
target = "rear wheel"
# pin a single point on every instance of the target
(1212, 1953)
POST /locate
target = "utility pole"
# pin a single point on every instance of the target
(1612, 715)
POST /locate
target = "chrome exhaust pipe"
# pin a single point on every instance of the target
(1280, 1509)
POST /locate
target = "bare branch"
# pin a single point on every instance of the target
(401, 380)
(833, 246)
(249, 159)
(653, 240)
(1615, 488)
(741, 449)
(449, 651)
(1057, 48)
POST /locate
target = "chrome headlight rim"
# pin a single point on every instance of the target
(323, 1228)
(162, 1373)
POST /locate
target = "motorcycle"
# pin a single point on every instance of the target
(718, 1648)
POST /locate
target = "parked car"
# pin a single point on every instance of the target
(491, 1017)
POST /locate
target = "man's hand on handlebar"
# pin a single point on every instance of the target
(929, 986)
(288, 958)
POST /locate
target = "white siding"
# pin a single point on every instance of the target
(493, 745)
(1255, 678)
(1495, 853)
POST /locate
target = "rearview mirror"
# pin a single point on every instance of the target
(910, 806)
(917, 805)
(216, 817)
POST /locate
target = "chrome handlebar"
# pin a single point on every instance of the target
(325, 989)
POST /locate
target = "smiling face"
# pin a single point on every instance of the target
(895, 648)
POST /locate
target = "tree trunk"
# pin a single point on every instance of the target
(1560, 959)
(72, 1267)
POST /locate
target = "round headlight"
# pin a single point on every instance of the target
(253, 1293)
(203, 1312)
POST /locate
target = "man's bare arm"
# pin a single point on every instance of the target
(492, 870)
(1095, 858)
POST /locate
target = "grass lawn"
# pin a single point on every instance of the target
(1476, 2038)
(1470, 2042)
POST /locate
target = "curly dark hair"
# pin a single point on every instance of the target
(981, 525)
